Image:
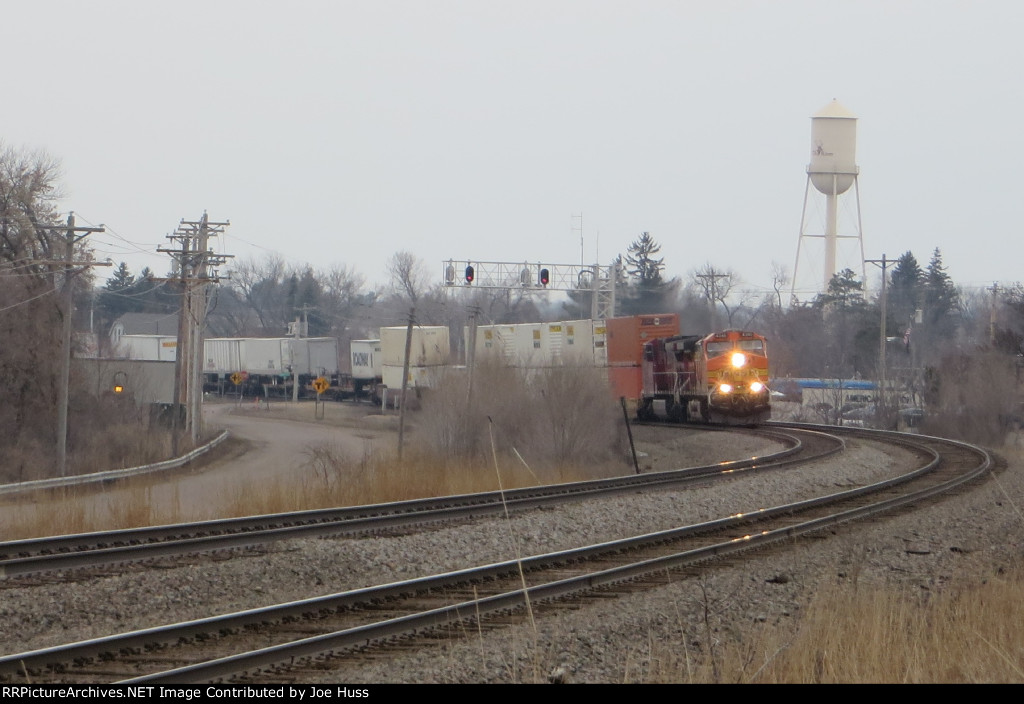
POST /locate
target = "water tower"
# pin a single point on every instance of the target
(832, 171)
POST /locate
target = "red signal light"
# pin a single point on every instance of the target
(545, 277)
(469, 274)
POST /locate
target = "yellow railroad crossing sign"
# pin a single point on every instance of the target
(320, 384)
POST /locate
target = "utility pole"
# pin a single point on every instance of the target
(580, 228)
(194, 262)
(883, 263)
(73, 235)
(298, 331)
(992, 315)
(405, 381)
(474, 311)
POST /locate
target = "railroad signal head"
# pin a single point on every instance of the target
(470, 273)
(545, 277)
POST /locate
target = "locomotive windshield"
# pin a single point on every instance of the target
(717, 349)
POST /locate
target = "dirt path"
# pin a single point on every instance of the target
(267, 444)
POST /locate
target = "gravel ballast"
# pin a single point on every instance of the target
(965, 536)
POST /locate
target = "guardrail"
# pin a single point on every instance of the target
(113, 474)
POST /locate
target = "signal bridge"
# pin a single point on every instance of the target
(598, 280)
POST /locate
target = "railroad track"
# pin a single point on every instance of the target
(51, 558)
(279, 643)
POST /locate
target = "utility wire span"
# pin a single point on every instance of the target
(47, 292)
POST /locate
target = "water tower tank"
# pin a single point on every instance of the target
(833, 164)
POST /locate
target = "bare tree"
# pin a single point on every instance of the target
(409, 276)
(32, 272)
(780, 280)
(715, 285)
(259, 285)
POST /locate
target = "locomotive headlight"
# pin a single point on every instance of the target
(725, 389)
(738, 359)
(757, 387)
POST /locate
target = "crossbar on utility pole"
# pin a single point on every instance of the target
(194, 262)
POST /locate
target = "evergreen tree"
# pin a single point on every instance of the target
(641, 263)
(941, 298)
(648, 292)
(905, 291)
(940, 312)
(850, 331)
(115, 297)
(844, 293)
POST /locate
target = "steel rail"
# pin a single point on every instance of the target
(11, 666)
(37, 555)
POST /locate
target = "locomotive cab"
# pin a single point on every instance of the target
(720, 378)
(735, 367)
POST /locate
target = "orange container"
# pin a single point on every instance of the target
(626, 382)
(626, 336)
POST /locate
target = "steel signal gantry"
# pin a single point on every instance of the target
(539, 277)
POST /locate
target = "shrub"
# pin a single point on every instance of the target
(551, 417)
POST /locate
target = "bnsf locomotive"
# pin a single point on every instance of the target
(721, 378)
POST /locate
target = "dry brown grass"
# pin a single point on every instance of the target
(343, 480)
(850, 634)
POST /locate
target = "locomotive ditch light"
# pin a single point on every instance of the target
(757, 387)
(725, 388)
(118, 388)
(739, 359)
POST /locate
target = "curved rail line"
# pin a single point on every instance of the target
(90, 550)
(301, 634)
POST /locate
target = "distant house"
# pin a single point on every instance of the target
(143, 324)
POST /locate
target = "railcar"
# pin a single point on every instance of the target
(719, 378)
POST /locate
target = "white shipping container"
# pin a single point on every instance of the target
(538, 345)
(430, 346)
(269, 356)
(222, 355)
(151, 348)
(578, 342)
(317, 356)
(494, 343)
(366, 360)
(421, 377)
(528, 346)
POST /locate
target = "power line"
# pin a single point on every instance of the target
(47, 292)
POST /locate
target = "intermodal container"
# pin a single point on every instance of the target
(626, 336)
(366, 360)
(430, 346)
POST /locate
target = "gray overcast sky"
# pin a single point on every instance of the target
(340, 132)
